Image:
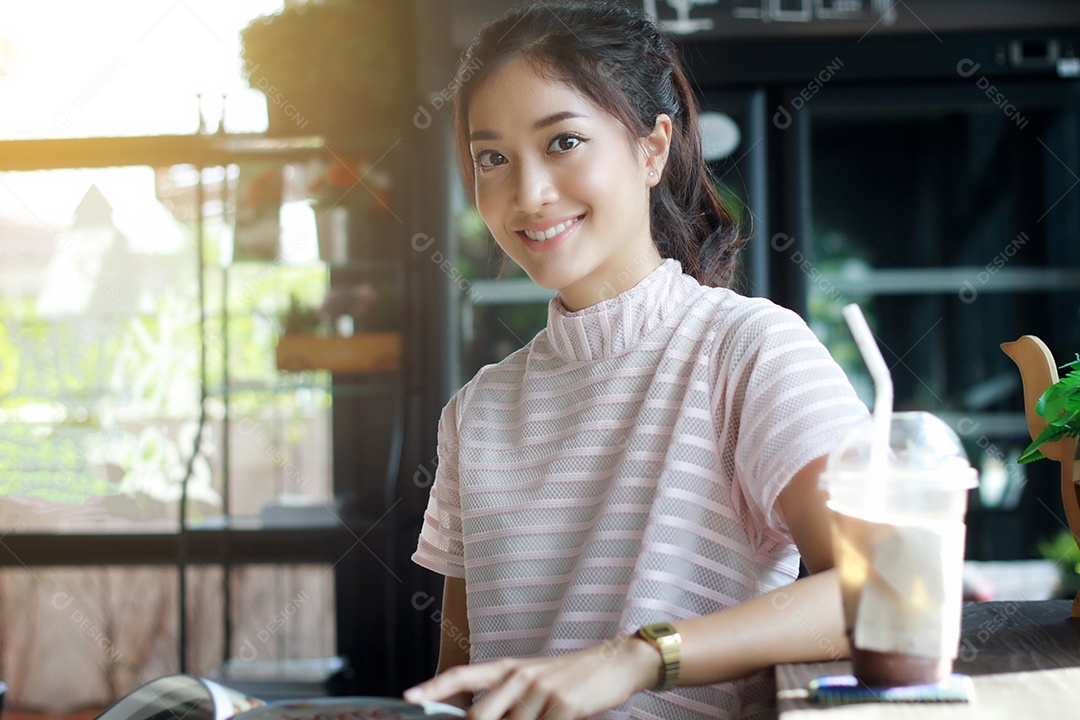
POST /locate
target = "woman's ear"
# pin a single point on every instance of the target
(656, 146)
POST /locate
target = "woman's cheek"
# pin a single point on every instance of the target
(489, 206)
(589, 181)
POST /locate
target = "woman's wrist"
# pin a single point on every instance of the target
(645, 663)
(666, 640)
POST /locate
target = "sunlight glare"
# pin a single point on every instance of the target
(70, 68)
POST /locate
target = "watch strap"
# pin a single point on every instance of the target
(667, 641)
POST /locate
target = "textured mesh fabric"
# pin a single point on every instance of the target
(622, 468)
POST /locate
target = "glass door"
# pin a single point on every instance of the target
(951, 215)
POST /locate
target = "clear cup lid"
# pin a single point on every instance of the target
(922, 448)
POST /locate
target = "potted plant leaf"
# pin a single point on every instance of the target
(1053, 420)
(1060, 406)
(1065, 554)
(300, 319)
(306, 344)
(332, 67)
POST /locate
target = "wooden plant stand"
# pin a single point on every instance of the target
(1039, 371)
(362, 353)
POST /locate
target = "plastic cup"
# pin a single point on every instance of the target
(898, 541)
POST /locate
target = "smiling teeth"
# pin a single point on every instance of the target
(550, 232)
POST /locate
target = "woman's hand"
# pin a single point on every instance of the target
(566, 687)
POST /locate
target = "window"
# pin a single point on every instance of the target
(107, 302)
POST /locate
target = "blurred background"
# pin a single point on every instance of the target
(239, 278)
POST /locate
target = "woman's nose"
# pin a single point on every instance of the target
(534, 188)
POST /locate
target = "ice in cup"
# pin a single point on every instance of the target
(898, 539)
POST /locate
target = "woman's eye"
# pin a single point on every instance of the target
(563, 143)
(486, 159)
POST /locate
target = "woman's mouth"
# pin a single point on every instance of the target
(547, 238)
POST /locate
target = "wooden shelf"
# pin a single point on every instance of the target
(252, 545)
(365, 352)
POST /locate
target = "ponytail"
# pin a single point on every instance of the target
(688, 220)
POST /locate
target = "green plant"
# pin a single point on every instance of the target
(1060, 405)
(300, 319)
(1064, 553)
(327, 49)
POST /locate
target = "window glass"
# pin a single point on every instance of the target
(108, 630)
(101, 356)
(124, 67)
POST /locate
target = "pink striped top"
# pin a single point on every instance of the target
(622, 468)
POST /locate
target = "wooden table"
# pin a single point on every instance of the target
(1023, 658)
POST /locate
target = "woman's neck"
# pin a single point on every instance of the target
(607, 283)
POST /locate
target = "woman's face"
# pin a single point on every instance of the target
(562, 187)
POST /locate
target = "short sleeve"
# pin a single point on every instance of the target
(440, 546)
(793, 404)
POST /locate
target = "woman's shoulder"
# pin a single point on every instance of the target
(511, 365)
(506, 372)
(730, 313)
(744, 330)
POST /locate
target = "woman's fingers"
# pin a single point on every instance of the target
(548, 689)
(524, 689)
(574, 686)
(510, 693)
(536, 703)
(458, 679)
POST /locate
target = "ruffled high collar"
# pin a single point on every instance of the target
(613, 326)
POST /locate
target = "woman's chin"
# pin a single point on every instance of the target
(543, 278)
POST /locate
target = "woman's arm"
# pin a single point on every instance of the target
(454, 634)
(454, 638)
(800, 622)
(802, 506)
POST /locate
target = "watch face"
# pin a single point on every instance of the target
(665, 638)
(658, 630)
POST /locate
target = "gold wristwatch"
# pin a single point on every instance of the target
(668, 643)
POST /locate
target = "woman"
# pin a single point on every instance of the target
(620, 506)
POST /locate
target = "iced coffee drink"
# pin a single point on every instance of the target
(898, 537)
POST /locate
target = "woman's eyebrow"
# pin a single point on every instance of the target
(538, 125)
(554, 118)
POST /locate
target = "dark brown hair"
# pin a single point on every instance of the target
(617, 58)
